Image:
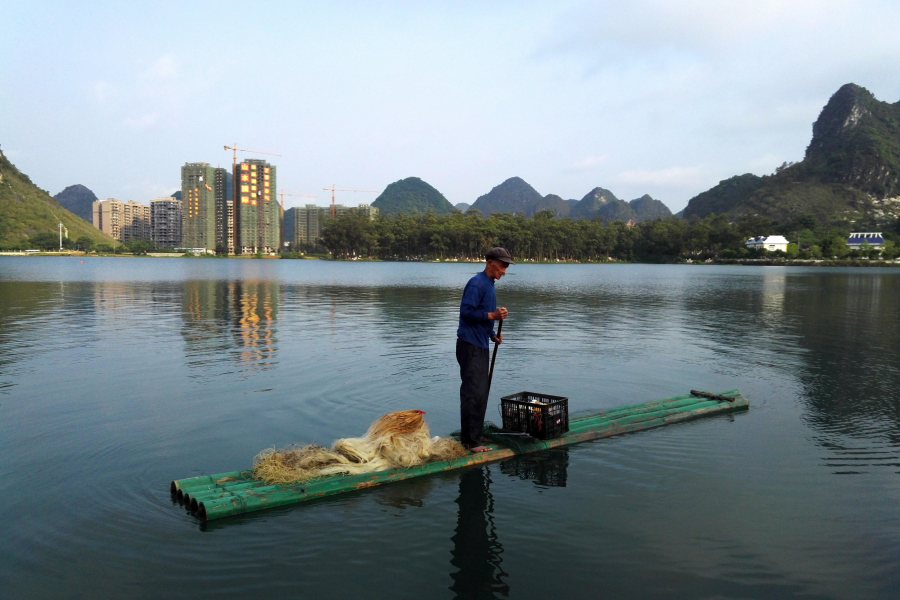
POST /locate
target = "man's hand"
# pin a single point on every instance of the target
(500, 313)
(497, 338)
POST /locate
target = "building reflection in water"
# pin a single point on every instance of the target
(477, 552)
(228, 321)
(254, 329)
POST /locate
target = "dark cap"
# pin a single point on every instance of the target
(501, 254)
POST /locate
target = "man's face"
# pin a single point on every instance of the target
(496, 268)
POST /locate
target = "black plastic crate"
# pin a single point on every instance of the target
(539, 415)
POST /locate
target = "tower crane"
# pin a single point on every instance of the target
(283, 193)
(334, 189)
(234, 150)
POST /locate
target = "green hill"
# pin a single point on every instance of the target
(512, 196)
(26, 210)
(549, 202)
(647, 207)
(851, 171)
(600, 202)
(411, 195)
(79, 200)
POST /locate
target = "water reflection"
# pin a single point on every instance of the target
(545, 469)
(835, 333)
(37, 318)
(850, 325)
(477, 552)
(230, 321)
(257, 304)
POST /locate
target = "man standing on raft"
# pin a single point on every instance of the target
(477, 313)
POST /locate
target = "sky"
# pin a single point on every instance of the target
(644, 96)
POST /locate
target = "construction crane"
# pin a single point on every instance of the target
(229, 218)
(234, 150)
(334, 189)
(283, 193)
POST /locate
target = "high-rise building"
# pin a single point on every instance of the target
(165, 222)
(257, 215)
(306, 225)
(368, 210)
(310, 221)
(224, 212)
(340, 210)
(124, 221)
(202, 197)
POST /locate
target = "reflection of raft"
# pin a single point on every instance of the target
(236, 492)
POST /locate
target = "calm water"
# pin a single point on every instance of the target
(118, 375)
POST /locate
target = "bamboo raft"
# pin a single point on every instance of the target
(226, 494)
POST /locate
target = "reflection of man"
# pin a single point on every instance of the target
(477, 552)
(477, 313)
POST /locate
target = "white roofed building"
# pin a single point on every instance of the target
(769, 243)
(856, 240)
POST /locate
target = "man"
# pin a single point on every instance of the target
(477, 313)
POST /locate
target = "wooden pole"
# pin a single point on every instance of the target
(494, 358)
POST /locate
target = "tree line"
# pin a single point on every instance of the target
(542, 237)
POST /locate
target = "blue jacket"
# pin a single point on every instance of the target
(479, 298)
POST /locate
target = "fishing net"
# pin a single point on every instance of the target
(396, 440)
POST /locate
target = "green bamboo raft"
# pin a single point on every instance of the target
(226, 494)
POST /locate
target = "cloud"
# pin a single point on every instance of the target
(671, 176)
(589, 163)
(163, 68)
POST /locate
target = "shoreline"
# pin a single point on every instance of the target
(759, 262)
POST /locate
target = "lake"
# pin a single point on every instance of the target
(118, 375)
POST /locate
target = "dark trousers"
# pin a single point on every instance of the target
(473, 393)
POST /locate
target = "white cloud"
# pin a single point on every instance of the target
(163, 68)
(671, 176)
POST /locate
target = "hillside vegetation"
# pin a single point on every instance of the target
(516, 196)
(27, 211)
(412, 195)
(850, 173)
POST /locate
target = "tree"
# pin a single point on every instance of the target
(85, 243)
(139, 246)
(44, 240)
(839, 247)
(889, 250)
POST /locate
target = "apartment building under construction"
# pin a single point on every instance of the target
(257, 215)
